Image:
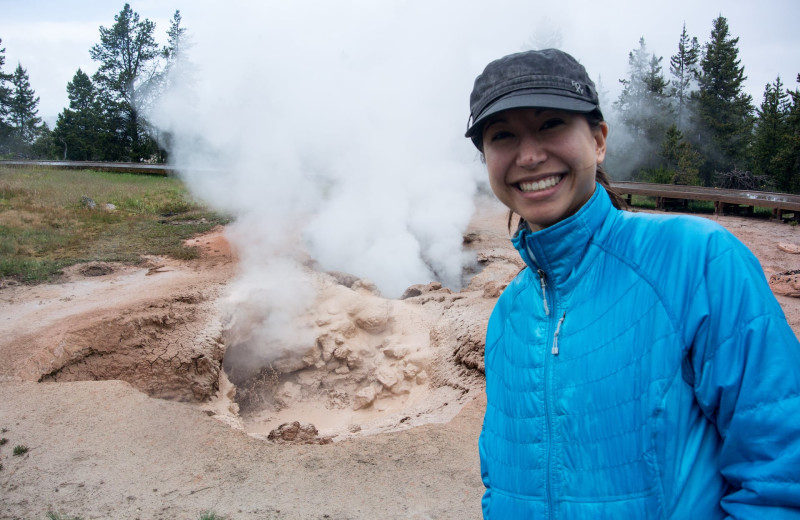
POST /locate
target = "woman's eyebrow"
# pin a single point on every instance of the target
(494, 121)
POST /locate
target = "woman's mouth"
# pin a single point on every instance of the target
(542, 184)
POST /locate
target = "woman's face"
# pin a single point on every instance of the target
(542, 162)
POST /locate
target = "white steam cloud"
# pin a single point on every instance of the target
(335, 130)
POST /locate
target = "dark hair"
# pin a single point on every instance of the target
(594, 118)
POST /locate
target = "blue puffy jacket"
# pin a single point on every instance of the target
(639, 368)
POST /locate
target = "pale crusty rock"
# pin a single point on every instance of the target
(372, 318)
(387, 376)
(789, 248)
(364, 397)
(396, 351)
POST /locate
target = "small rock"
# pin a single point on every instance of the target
(364, 397)
(411, 292)
(386, 376)
(396, 351)
(345, 279)
(297, 433)
(88, 202)
(789, 248)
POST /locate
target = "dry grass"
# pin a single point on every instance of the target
(51, 218)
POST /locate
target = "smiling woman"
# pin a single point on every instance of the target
(639, 385)
(542, 162)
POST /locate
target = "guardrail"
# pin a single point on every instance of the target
(119, 167)
(670, 195)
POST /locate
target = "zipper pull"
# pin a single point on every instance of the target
(555, 337)
(544, 295)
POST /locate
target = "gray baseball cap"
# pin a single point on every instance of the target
(548, 78)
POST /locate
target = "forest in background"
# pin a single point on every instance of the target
(692, 123)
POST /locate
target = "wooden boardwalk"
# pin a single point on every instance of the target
(117, 167)
(671, 195)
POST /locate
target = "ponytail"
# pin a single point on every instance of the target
(605, 181)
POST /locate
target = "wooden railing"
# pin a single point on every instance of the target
(667, 195)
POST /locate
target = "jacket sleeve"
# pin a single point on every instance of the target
(746, 364)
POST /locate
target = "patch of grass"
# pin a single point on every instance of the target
(52, 515)
(50, 219)
(701, 206)
(3, 441)
(20, 449)
(641, 201)
(211, 515)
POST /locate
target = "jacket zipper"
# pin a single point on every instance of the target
(554, 350)
(548, 389)
(544, 292)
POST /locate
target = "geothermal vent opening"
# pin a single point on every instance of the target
(366, 364)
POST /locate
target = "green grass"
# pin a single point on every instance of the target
(47, 221)
(20, 449)
(52, 515)
(211, 515)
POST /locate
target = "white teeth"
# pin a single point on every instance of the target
(539, 185)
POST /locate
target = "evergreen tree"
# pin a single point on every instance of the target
(179, 76)
(643, 107)
(175, 50)
(683, 67)
(78, 130)
(681, 160)
(770, 129)
(23, 113)
(724, 111)
(43, 146)
(127, 78)
(5, 103)
(787, 165)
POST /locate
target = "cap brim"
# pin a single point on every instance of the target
(530, 100)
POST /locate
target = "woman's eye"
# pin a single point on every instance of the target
(498, 136)
(552, 122)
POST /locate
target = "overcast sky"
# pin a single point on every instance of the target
(51, 38)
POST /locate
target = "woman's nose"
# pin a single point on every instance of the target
(531, 152)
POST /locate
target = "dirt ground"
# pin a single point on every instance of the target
(112, 378)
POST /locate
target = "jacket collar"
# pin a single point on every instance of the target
(558, 250)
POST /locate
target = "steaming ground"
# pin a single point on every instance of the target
(134, 417)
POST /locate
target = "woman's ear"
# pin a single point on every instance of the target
(600, 135)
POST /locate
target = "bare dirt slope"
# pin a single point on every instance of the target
(144, 444)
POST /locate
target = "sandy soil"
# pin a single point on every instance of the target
(113, 379)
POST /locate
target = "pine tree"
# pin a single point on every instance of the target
(179, 77)
(128, 79)
(787, 164)
(770, 130)
(643, 106)
(683, 67)
(5, 104)
(78, 130)
(23, 113)
(724, 111)
(680, 159)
